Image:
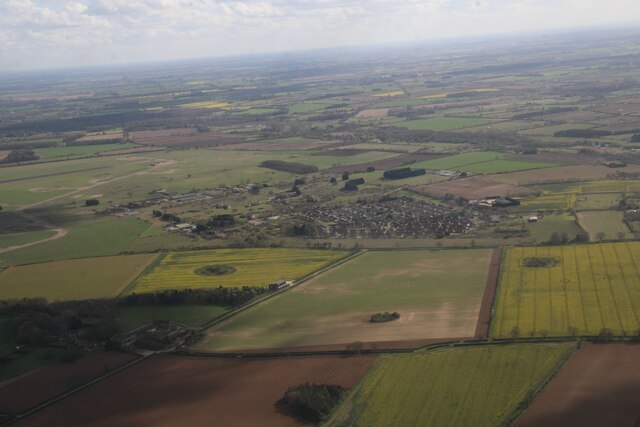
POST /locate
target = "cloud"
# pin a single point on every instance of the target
(45, 33)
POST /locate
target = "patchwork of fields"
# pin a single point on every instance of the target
(235, 268)
(477, 386)
(585, 289)
(437, 294)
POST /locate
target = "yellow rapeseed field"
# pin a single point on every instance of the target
(477, 386)
(388, 94)
(206, 104)
(253, 267)
(589, 288)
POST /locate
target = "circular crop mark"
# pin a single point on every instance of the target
(215, 270)
(538, 262)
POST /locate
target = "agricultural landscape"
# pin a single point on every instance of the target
(446, 238)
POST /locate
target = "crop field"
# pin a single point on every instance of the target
(604, 225)
(206, 104)
(480, 162)
(437, 293)
(166, 390)
(557, 222)
(38, 386)
(549, 201)
(87, 238)
(561, 174)
(473, 188)
(389, 94)
(80, 150)
(102, 277)
(597, 201)
(478, 386)
(242, 267)
(580, 291)
(599, 386)
(13, 239)
(441, 123)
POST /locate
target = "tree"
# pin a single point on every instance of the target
(600, 236)
(345, 176)
(91, 202)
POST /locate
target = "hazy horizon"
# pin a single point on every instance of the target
(46, 34)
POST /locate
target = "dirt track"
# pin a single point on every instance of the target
(198, 391)
(600, 386)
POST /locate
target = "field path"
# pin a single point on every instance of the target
(60, 231)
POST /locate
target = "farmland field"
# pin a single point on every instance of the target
(557, 222)
(584, 289)
(167, 390)
(251, 267)
(478, 386)
(610, 223)
(43, 384)
(441, 123)
(599, 386)
(480, 162)
(86, 238)
(437, 294)
(73, 279)
(597, 201)
(12, 239)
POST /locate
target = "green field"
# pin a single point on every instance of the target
(585, 289)
(475, 386)
(479, 162)
(92, 237)
(80, 150)
(557, 222)
(437, 294)
(13, 239)
(440, 124)
(597, 201)
(194, 316)
(253, 267)
(103, 277)
(604, 225)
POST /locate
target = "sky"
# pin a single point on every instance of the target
(40, 34)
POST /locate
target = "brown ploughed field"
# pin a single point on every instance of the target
(600, 386)
(27, 391)
(181, 137)
(194, 391)
(474, 188)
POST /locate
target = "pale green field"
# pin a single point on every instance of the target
(437, 294)
(609, 223)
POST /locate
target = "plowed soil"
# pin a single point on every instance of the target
(199, 391)
(600, 386)
(180, 137)
(27, 391)
(474, 188)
